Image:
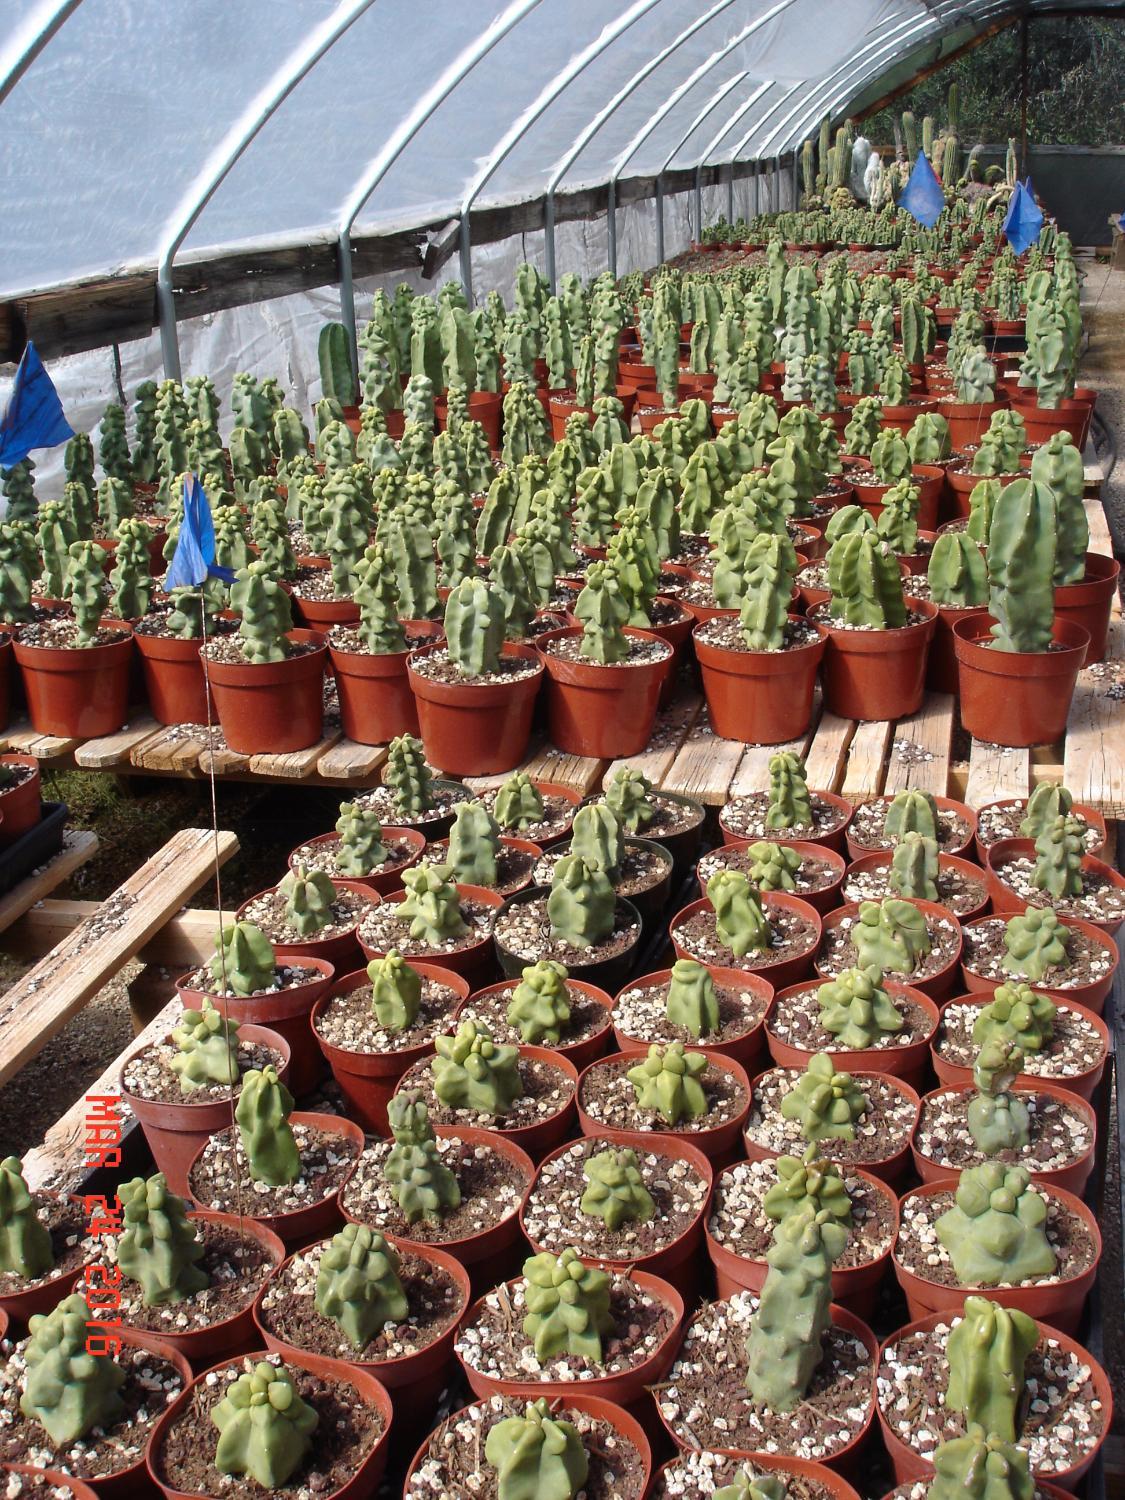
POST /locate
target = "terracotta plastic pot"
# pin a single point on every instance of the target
(368, 1079)
(823, 900)
(759, 697)
(560, 408)
(1061, 1303)
(909, 1466)
(888, 1169)
(857, 851)
(1005, 899)
(580, 1053)
(78, 692)
(322, 614)
(949, 862)
(1072, 1177)
(627, 1389)
(1091, 997)
(876, 674)
(802, 1468)
(476, 728)
(677, 633)
(542, 1136)
(929, 479)
(338, 951)
(677, 1263)
(718, 1144)
(302, 1225)
(275, 706)
(473, 963)
(381, 881)
(605, 712)
(376, 703)
(1015, 698)
(1091, 815)
(177, 1132)
(16, 1307)
(853, 1287)
(748, 1049)
(942, 674)
(368, 1390)
(175, 684)
(19, 805)
(789, 970)
(1042, 422)
(969, 420)
(832, 839)
(909, 1062)
(1088, 603)
(1084, 1085)
(607, 974)
(78, 1489)
(938, 985)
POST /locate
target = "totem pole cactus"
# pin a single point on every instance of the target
(422, 1185)
(567, 1306)
(915, 865)
(309, 896)
(996, 1230)
(692, 1001)
(540, 1005)
(67, 1390)
(957, 572)
(864, 583)
(25, 1243)
(519, 803)
(1059, 851)
(265, 1426)
(1047, 802)
(805, 1184)
(396, 992)
(784, 1347)
(602, 610)
(409, 777)
(431, 905)
(84, 587)
(890, 935)
(262, 1115)
(244, 962)
(981, 1466)
(358, 1285)
(159, 1247)
(581, 905)
(857, 1010)
(998, 1120)
(266, 614)
(789, 803)
(1035, 941)
(987, 1353)
(773, 867)
(361, 849)
(1022, 545)
(1018, 1014)
(473, 1072)
(912, 812)
(667, 1081)
(616, 1193)
(826, 1104)
(740, 922)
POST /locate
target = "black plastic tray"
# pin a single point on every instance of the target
(34, 848)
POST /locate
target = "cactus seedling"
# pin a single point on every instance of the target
(244, 960)
(309, 895)
(912, 812)
(519, 803)
(1018, 1014)
(265, 1427)
(207, 1049)
(25, 1243)
(773, 867)
(69, 1391)
(1047, 802)
(408, 776)
(616, 1194)
(396, 991)
(358, 1284)
(603, 610)
(784, 1346)
(987, 1352)
(691, 1001)
(598, 838)
(915, 866)
(159, 1246)
(361, 849)
(789, 804)
(995, 1232)
(262, 1115)
(581, 906)
(890, 934)
(856, 1009)
(431, 905)
(473, 1072)
(998, 1120)
(537, 1456)
(825, 1103)
(628, 797)
(1059, 851)
(540, 1004)
(668, 1082)
(1034, 941)
(422, 1185)
(749, 1486)
(957, 572)
(567, 1306)
(805, 1184)
(980, 1466)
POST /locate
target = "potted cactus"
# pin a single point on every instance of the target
(361, 850)
(808, 870)
(310, 915)
(20, 806)
(639, 870)
(545, 1007)
(970, 412)
(1027, 817)
(787, 810)
(739, 926)
(910, 939)
(766, 1476)
(477, 855)
(712, 1008)
(1069, 959)
(410, 795)
(169, 642)
(528, 808)
(958, 578)
(437, 920)
(43, 1246)
(1054, 870)
(881, 823)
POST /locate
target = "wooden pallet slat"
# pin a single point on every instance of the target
(673, 725)
(347, 760)
(112, 749)
(1094, 757)
(79, 845)
(867, 756)
(753, 773)
(24, 740)
(294, 765)
(171, 750)
(996, 772)
(221, 760)
(920, 749)
(704, 765)
(828, 753)
(185, 940)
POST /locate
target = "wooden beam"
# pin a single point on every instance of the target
(935, 67)
(185, 940)
(40, 1004)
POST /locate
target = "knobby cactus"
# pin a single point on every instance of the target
(826, 1104)
(789, 804)
(890, 934)
(668, 1082)
(998, 1120)
(408, 776)
(628, 796)
(773, 867)
(538, 1456)
(423, 1186)
(739, 919)
(265, 1427)
(996, 1230)
(1058, 464)
(987, 1353)
(266, 615)
(159, 1247)
(805, 1184)
(602, 610)
(207, 1049)
(1059, 851)
(519, 803)
(769, 569)
(857, 1010)
(1047, 802)
(912, 812)
(431, 905)
(309, 895)
(358, 1284)
(915, 866)
(473, 1072)
(691, 1001)
(360, 849)
(747, 1485)
(598, 838)
(262, 1115)
(581, 906)
(567, 1306)
(84, 587)
(1018, 1014)
(396, 992)
(784, 1347)
(474, 845)
(616, 1194)
(540, 1005)
(1035, 941)
(864, 583)
(244, 962)
(69, 1391)
(981, 1466)
(25, 1243)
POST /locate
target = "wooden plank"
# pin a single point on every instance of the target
(995, 772)
(184, 941)
(867, 755)
(582, 772)
(22, 738)
(1094, 759)
(349, 761)
(672, 727)
(920, 749)
(174, 749)
(704, 765)
(111, 749)
(296, 764)
(41, 1003)
(826, 757)
(221, 760)
(753, 773)
(79, 845)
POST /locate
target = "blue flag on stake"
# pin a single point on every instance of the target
(923, 195)
(1023, 221)
(34, 418)
(194, 559)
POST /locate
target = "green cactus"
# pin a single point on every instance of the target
(473, 1072)
(789, 804)
(769, 570)
(262, 1115)
(265, 1427)
(864, 427)
(19, 563)
(1059, 851)
(67, 1390)
(998, 1120)
(1018, 1014)
(519, 803)
(628, 795)
(54, 534)
(431, 905)
(913, 330)
(957, 572)
(773, 867)
(25, 1243)
(857, 1010)
(360, 850)
(602, 610)
(409, 777)
(422, 1185)
(18, 484)
(159, 1247)
(113, 445)
(805, 1184)
(207, 1046)
(309, 895)
(616, 1194)
(537, 1456)
(784, 1346)
(987, 1353)
(1034, 941)
(1047, 802)
(396, 992)
(889, 453)
(667, 1081)
(981, 1466)
(912, 812)
(898, 523)
(266, 614)
(740, 922)
(1058, 464)
(567, 1306)
(474, 627)
(1021, 561)
(826, 1104)
(540, 1004)
(244, 961)
(976, 377)
(84, 587)
(691, 1001)
(581, 905)
(598, 838)
(358, 1285)
(130, 583)
(915, 865)
(982, 507)
(474, 845)
(747, 1485)
(864, 583)
(995, 1232)
(890, 934)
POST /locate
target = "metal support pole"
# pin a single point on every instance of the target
(611, 227)
(659, 217)
(699, 201)
(549, 237)
(730, 194)
(1023, 94)
(757, 188)
(465, 258)
(28, 41)
(347, 299)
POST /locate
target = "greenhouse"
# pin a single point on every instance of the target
(562, 693)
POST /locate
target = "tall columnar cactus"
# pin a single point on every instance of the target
(581, 905)
(473, 1072)
(789, 803)
(770, 566)
(975, 380)
(396, 992)
(987, 1353)
(957, 572)
(262, 1115)
(602, 610)
(431, 905)
(915, 865)
(159, 1247)
(826, 1104)
(1059, 851)
(244, 961)
(266, 615)
(1047, 802)
(1019, 1014)
(360, 849)
(1034, 942)
(857, 1010)
(996, 1230)
(616, 1193)
(864, 583)
(206, 1049)
(130, 583)
(692, 1001)
(805, 1184)
(598, 837)
(537, 1456)
(567, 1306)
(890, 934)
(1058, 464)
(1022, 547)
(25, 1243)
(668, 1082)
(358, 1285)
(784, 1347)
(474, 845)
(740, 922)
(539, 1007)
(113, 445)
(898, 523)
(18, 484)
(981, 1466)
(409, 777)
(265, 1426)
(67, 1390)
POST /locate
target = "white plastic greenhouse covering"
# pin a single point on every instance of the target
(138, 131)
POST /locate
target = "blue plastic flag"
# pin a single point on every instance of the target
(194, 559)
(1023, 221)
(923, 195)
(1121, 223)
(34, 418)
